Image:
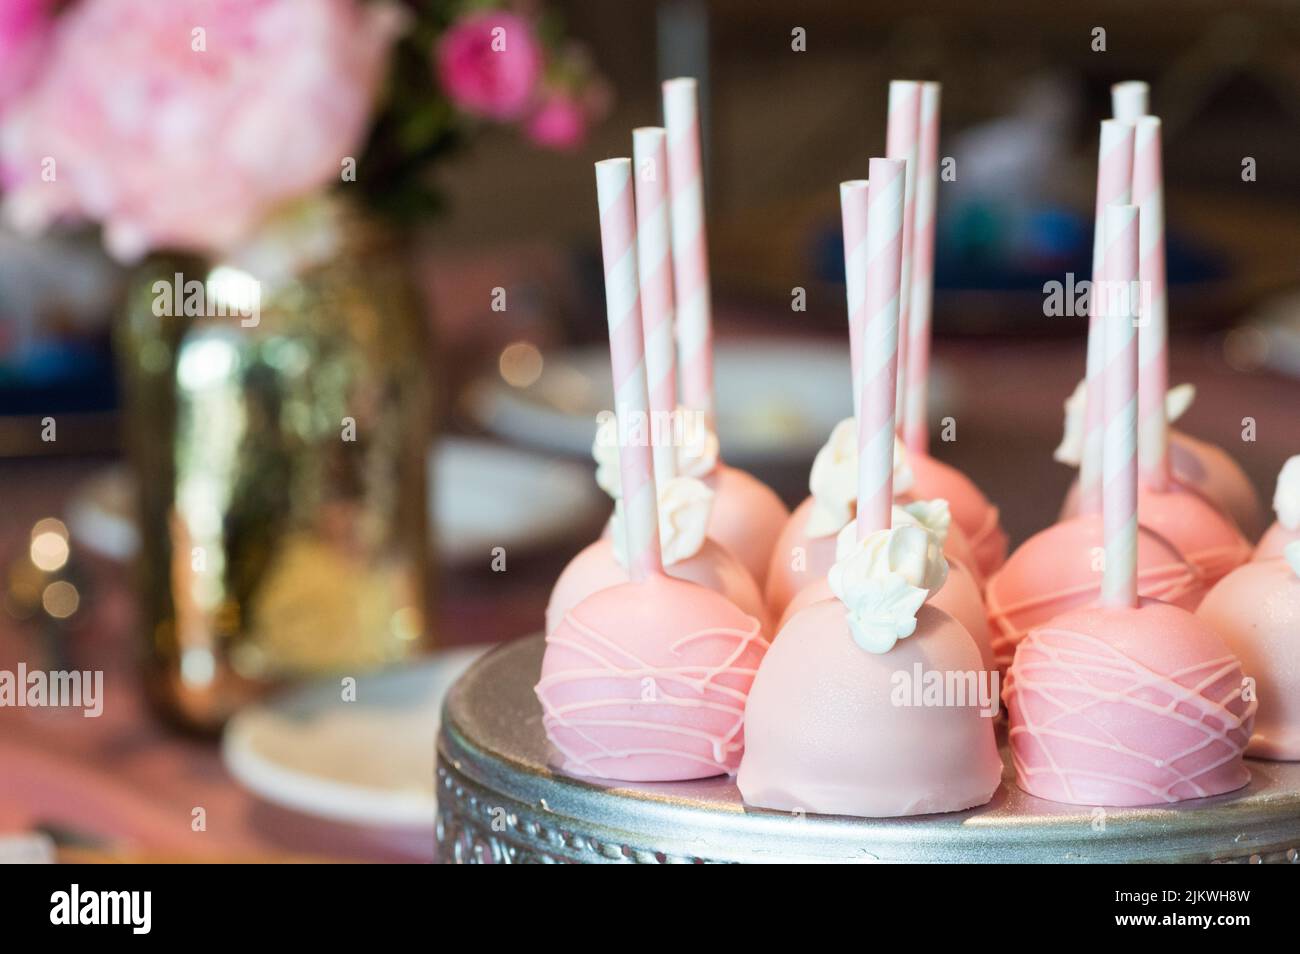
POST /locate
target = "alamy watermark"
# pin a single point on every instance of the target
(129, 908)
(1082, 298)
(680, 428)
(226, 293)
(947, 689)
(58, 689)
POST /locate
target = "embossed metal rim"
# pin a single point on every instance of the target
(500, 802)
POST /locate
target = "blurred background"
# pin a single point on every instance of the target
(223, 532)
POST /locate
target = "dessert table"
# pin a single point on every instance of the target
(124, 784)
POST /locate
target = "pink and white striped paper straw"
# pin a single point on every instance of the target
(1129, 100)
(886, 198)
(916, 377)
(618, 242)
(1114, 186)
(902, 141)
(1119, 581)
(1153, 332)
(655, 272)
(853, 217)
(690, 248)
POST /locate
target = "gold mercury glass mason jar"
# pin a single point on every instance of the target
(278, 417)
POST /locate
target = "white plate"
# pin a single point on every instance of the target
(778, 399)
(487, 495)
(483, 495)
(368, 762)
(101, 514)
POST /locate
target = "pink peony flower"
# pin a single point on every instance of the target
(24, 27)
(559, 123)
(183, 124)
(489, 65)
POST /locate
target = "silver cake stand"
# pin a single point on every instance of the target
(499, 802)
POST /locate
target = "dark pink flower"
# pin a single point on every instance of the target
(24, 26)
(489, 65)
(560, 122)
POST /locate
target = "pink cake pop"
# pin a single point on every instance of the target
(933, 479)
(1203, 467)
(646, 680)
(684, 503)
(805, 549)
(1056, 570)
(1206, 538)
(1255, 609)
(824, 737)
(974, 513)
(747, 516)
(959, 596)
(597, 567)
(1133, 701)
(1127, 706)
(1199, 467)
(1211, 470)
(1286, 502)
(825, 730)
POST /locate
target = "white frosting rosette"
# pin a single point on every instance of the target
(1292, 553)
(834, 479)
(1177, 401)
(933, 515)
(695, 444)
(684, 506)
(1286, 499)
(697, 452)
(884, 580)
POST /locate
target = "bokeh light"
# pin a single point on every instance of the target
(49, 546)
(60, 599)
(521, 364)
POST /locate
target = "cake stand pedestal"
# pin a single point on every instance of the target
(500, 802)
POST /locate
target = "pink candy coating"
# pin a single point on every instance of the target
(1206, 538)
(1273, 544)
(1255, 610)
(747, 517)
(824, 735)
(1208, 469)
(647, 682)
(784, 582)
(713, 567)
(971, 510)
(1127, 706)
(959, 597)
(1059, 569)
